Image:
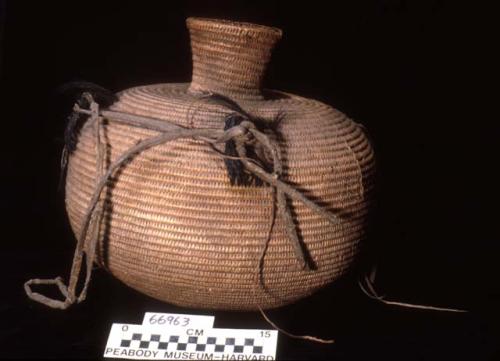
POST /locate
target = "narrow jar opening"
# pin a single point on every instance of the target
(230, 58)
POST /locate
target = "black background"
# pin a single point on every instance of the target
(416, 74)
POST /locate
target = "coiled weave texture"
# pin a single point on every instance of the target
(173, 226)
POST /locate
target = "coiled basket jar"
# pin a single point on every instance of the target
(173, 225)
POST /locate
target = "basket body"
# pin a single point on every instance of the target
(173, 226)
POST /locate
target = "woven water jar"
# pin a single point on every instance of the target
(173, 226)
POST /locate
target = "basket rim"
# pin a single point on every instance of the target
(231, 26)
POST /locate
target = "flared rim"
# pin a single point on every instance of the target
(231, 26)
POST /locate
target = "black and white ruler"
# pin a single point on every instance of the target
(188, 337)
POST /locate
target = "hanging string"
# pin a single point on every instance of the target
(366, 284)
(242, 134)
(259, 281)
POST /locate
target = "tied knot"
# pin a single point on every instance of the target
(242, 136)
(243, 139)
(240, 133)
(251, 157)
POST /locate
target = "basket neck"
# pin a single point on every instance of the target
(230, 58)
